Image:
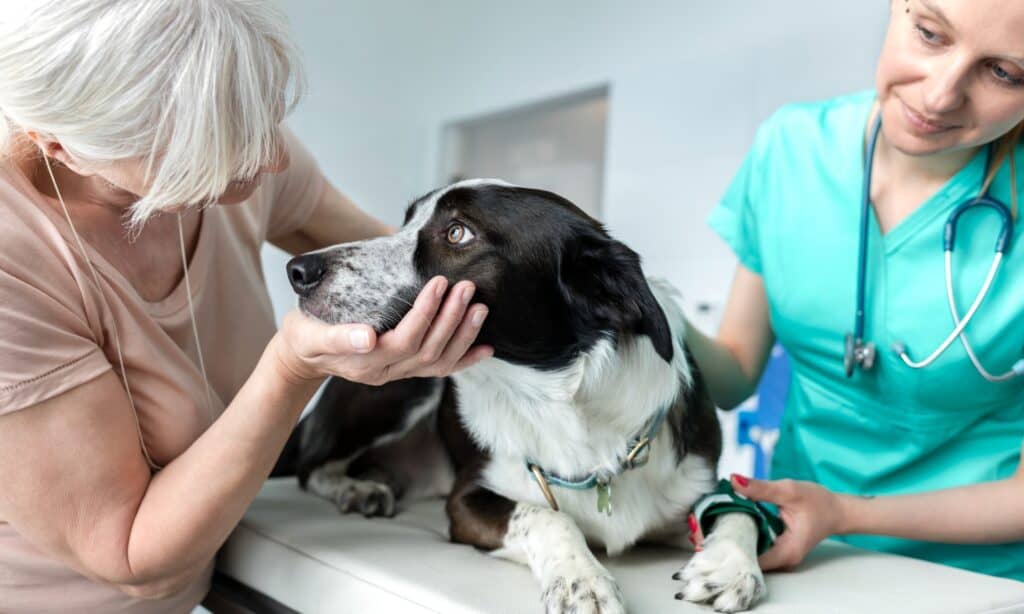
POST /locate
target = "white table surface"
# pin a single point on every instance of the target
(298, 550)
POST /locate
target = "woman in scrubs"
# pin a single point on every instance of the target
(927, 461)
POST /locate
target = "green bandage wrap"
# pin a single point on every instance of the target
(725, 500)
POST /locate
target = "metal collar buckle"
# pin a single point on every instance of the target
(544, 486)
(639, 455)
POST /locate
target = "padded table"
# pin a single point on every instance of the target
(296, 549)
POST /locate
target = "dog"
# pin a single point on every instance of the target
(591, 423)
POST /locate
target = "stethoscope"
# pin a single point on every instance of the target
(857, 352)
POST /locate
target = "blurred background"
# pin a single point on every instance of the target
(639, 112)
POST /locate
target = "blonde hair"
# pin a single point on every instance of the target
(197, 89)
(1005, 147)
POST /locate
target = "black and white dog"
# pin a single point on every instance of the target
(590, 384)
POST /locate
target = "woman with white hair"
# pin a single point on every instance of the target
(144, 392)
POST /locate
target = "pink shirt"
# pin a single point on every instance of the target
(55, 334)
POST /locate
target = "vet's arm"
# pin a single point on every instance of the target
(335, 219)
(733, 361)
(987, 513)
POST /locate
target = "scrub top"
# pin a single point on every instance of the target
(792, 215)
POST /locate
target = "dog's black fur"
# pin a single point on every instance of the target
(553, 312)
(336, 429)
(540, 315)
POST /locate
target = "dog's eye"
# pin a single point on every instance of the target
(459, 234)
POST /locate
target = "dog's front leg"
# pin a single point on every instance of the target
(547, 541)
(571, 579)
(725, 572)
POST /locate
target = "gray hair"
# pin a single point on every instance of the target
(196, 89)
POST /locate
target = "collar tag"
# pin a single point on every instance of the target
(604, 497)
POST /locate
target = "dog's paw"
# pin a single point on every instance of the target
(590, 590)
(366, 498)
(724, 575)
(349, 494)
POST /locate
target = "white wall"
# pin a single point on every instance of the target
(689, 82)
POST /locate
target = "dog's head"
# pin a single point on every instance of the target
(553, 280)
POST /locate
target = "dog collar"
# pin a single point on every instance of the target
(637, 455)
(725, 500)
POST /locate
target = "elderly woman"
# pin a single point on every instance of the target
(144, 392)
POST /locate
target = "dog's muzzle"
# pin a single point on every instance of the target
(306, 272)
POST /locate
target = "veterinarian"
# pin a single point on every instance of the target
(919, 460)
(144, 400)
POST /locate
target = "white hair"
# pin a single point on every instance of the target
(196, 89)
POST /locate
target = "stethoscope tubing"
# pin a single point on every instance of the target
(949, 241)
(862, 256)
(960, 324)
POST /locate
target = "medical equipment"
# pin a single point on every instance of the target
(857, 352)
(725, 500)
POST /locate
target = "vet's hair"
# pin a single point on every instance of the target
(194, 88)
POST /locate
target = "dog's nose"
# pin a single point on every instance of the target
(305, 272)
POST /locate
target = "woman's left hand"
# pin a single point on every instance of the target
(811, 513)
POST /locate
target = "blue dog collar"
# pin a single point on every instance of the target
(637, 455)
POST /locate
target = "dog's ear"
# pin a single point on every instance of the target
(605, 288)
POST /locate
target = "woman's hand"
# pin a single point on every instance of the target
(811, 513)
(431, 341)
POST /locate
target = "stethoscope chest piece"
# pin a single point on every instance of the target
(857, 353)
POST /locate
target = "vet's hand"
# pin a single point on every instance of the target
(811, 513)
(432, 340)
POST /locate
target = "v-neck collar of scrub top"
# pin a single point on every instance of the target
(964, 184)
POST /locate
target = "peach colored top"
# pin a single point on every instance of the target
(56, 333)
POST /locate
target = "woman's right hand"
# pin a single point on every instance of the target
(431, 341)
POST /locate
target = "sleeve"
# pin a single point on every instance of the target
(296, 191)
(735, 218)
(46, 344)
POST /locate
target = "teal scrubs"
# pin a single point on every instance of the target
(792, 216)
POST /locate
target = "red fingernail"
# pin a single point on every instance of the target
(693, 523)
(742, 481)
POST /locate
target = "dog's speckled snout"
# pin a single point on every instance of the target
(371, 282)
